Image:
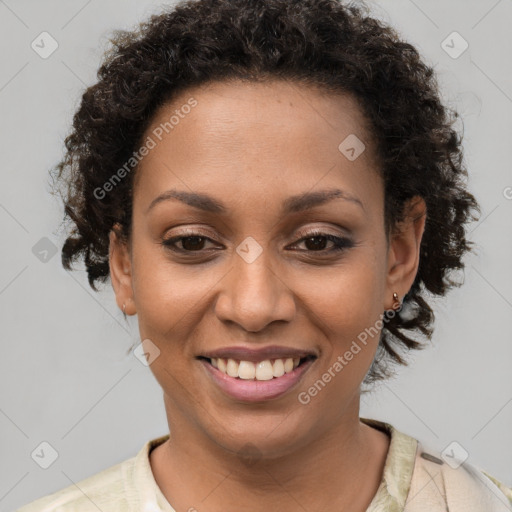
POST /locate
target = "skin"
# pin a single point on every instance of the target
(251, 146)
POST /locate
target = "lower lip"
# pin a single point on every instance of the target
(257, 390)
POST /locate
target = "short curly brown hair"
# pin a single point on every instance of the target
(324, 43)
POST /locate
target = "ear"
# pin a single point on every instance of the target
(121, 271)
(404, 249)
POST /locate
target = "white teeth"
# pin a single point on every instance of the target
(232, 368)
(288, 365)
(262, 370)
(221, 364)
(278, 368)
(246, 370)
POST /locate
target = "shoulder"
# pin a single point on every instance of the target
(124, 487)
(103, 491)
(418, 478)
(450, 483)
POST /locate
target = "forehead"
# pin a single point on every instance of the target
(277, 139)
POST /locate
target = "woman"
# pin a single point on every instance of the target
(272, 187)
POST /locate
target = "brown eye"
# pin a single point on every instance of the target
(190, 243)
(193, 243)
(317, 242)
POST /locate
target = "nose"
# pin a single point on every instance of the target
(254, 294)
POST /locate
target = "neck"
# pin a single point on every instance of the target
(344, 464)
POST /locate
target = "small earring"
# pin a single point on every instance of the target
(124, 309)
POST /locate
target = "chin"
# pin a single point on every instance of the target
(260, 434)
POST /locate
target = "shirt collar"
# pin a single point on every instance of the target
(398, 468)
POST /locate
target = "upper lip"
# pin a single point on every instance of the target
(258, 354)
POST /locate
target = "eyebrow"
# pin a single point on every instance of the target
(293, 204)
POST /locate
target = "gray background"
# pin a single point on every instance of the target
(66, 375)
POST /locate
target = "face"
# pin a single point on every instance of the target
(256, 238)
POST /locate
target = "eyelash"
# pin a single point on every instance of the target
(340, 243)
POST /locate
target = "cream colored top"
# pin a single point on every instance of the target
(413, 480)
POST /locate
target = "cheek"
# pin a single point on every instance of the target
(171, 298)
(347, 297)
(163, 293)
(346, 312)
(346, 305)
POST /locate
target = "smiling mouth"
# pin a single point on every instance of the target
(268, 369)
